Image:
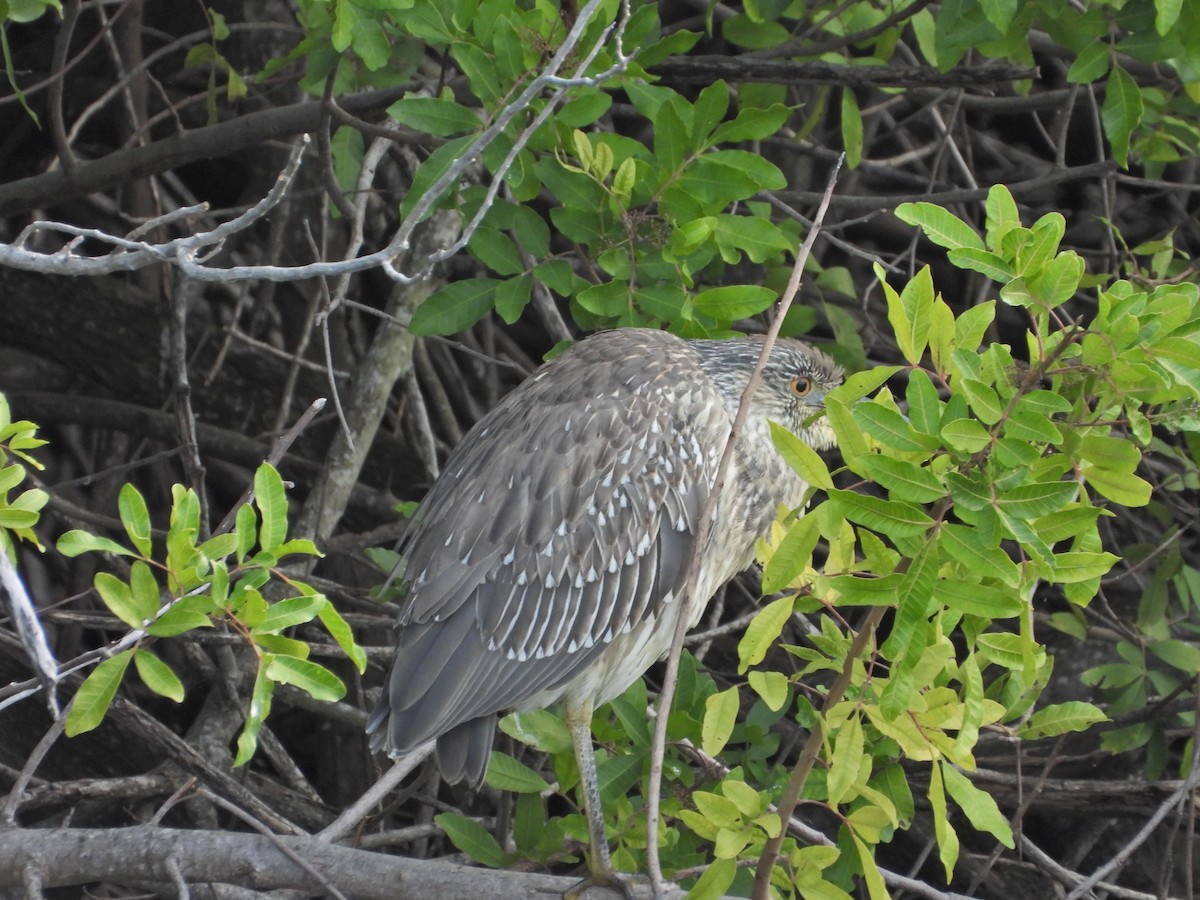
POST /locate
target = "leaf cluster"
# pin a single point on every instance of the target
(224, 581)
(18, 514)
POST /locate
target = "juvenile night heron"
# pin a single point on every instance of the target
(547, 562)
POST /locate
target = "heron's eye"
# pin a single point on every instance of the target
(801, 385)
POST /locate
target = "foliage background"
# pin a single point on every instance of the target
(694, 166)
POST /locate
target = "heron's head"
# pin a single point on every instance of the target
(793, 387)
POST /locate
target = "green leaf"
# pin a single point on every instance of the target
(979, 807)
(256, 715)
(220, 546)
(472, 839)
(432, 169)
(852, 128)
(853, 590)
(95, 695)
(846, 760)
(539, 728)
(10, 477)
(630, 710)
(904, 480)
(912, 605)
(119, 599)
(752, 169)
(454, 308)
(1058, 280)
(271, 500)
(757, 238)
(1073, 567)
(1000, 13)
(984, 400)
(157, 675)
(708, 111)
(734, 302)
(1031, 427)
(496, 250)
(507, 774)
(792, 556)
(671, 139)
(910, 312)
(1166, 14)
(583, 109)
(978, 556)
(290, 612)
(985, 262)
(135, 517)
(339, 629)
(889, 517)
(715, 880)
(742, 31)
(876, 887)
(771, 686)
(435, 115)
(183, 615)
(1091, 64)
(965, 435)
(942, 829)
(924, 407)
(480, 71)
(1060, 718)
(74, 543)
(890, 428)
(977, 599)
(617, 775)
(1001, 215)
(1179, 654)
(972, 324)
(1125, 489)
(1031, 501)
(941, 226)
(315, 680)
(762, 632)
(144, 590)
(804, 460)
(663, 301)
(720, 715)
(16, 518)
(720, 811)
(512, 296)
(608, 299)
(1121, 113)
(752, 124)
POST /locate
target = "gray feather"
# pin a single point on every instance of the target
(566, 518)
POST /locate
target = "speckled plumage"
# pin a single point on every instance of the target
(546, 563)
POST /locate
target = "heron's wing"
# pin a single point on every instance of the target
(568, 515)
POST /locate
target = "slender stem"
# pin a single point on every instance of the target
(808, 756)
(658, 748)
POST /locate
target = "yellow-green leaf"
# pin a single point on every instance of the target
(980, 808)
(764, 629)
(95, 695)
(157, 675)
(720, 715)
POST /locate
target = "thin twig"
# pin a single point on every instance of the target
(658, 748)
(361, 808)
(1180, 795)
(9, 814)
(266, 832)
(282, 445)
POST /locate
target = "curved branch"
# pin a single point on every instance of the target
(218, 140)
(707, 69)
(146, 855)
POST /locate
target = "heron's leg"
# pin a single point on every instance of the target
(579, 722)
